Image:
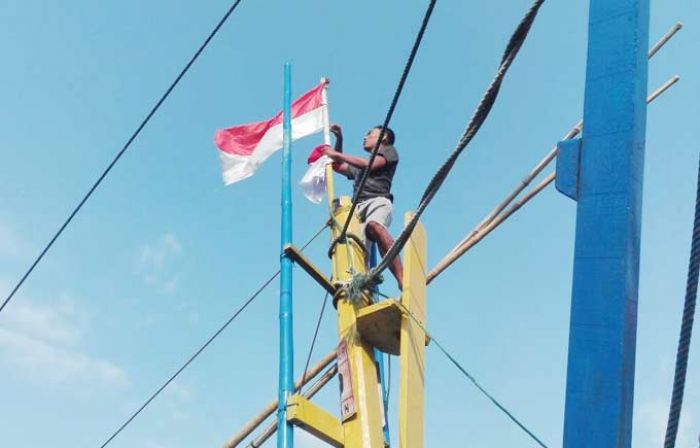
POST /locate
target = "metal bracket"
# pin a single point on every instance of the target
(568, 167)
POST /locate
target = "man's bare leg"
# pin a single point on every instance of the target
(378, 233)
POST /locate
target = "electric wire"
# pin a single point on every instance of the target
(121, 152)
(686, 333)
(313, 341)
(478, 119)
(389, 114)
(471, 378)
(264, 285)
(388, 382)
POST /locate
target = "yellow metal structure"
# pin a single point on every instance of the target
(413, 341)
(362, 326)
(363, 429)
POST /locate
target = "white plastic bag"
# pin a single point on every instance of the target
(314, 181)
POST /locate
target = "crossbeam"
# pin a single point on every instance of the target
(315, 421)
(304, 263)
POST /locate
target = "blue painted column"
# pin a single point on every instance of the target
(285, 433)
(379, 360)
(607, 172)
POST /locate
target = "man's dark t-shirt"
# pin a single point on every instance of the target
(378, 181)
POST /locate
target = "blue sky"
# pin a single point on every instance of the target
(163, 252)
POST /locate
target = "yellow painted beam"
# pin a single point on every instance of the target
(413, 341)
(315, 420)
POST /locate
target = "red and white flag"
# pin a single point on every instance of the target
(243, 148)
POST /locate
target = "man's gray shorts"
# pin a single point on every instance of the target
(374, 210)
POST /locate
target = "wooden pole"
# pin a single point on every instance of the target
(330, 182)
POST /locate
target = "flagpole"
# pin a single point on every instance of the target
(285, 432)
(330, 186)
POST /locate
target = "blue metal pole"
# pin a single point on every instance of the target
(285, 433)
(605, 177)
(379, 362)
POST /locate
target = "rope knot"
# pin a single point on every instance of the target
(362, 282)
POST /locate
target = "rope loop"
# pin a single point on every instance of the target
(344, 240)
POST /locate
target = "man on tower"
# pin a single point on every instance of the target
(375, 200)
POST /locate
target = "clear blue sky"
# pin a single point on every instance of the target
(163, 252)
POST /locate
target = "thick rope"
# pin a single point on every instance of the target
(499, 215)
(390, 113)
(482, 112)
(470, 377)
(691, 292)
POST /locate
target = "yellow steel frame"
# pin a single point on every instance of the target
(364, 429)
(359, 322)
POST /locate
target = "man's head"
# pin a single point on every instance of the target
(370, 140)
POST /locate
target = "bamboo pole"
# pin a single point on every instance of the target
(495, 218)
(521, 186)
(272, 427)
(550, 156)
(512, 209)
(272, 406)
(672, 32)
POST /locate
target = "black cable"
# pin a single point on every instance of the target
(488, 395)
(691, 293)
(389, 114)
(205, 345)
(478, 119)
(122, 151)
(313, 341)
(388, 382)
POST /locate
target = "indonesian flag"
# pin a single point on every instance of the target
(243, 148)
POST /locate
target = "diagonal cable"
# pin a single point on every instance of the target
(122, 151)
(216, 334)
(389, 114)
(470, 377)
(313, 341)
(480, 115)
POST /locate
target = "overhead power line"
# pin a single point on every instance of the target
(313, 340)
(389, 114)
(121, 152)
